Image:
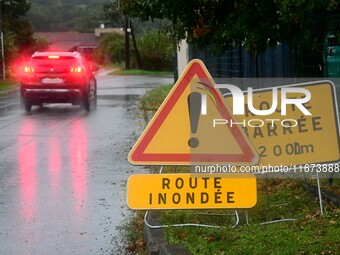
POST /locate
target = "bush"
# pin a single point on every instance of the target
(155, 48)
(113, 45)
(156, 51)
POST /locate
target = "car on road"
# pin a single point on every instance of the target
(58, 77)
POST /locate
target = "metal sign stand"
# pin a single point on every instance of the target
(191, 224)
(319, 193)
(317, 177)
(268, 206)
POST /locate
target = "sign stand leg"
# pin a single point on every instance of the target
(190, 224)
(187, 224)
(319, 192)
(237, 219)
(317, 177)
(268, 207)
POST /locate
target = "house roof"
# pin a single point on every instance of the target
(69, 41)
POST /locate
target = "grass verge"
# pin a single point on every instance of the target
(129, 239)
(7, 85)
(134, 234)
(310, 233)
(151, 101)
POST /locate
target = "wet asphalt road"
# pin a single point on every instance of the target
(63, 172)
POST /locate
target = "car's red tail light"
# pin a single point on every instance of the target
(28, 69)
(77, 69)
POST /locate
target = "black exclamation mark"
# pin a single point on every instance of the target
(194, 105)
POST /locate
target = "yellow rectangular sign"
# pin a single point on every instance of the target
(187, 191)
(294, 139)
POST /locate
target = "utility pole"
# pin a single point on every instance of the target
(127, 43)
(135, 46)
(2, 55)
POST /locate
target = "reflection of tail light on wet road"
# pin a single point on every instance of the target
(27, 170)
(54, 166)
(59, 159)
(78, 161)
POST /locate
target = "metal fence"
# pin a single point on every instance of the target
(319, 46)
(315, 56)
(236, 63)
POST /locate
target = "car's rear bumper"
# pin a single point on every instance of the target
(58, 91)
(52, 95)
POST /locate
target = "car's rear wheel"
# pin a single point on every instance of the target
(95, 99)
(85, 102)
(26, 104)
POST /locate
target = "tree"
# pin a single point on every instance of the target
(113, 14)
(258, 24)
(66, 15)
(17, 31)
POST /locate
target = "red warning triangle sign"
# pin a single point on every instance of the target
(184, 132)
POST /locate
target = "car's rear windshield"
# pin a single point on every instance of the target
(40, 63)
